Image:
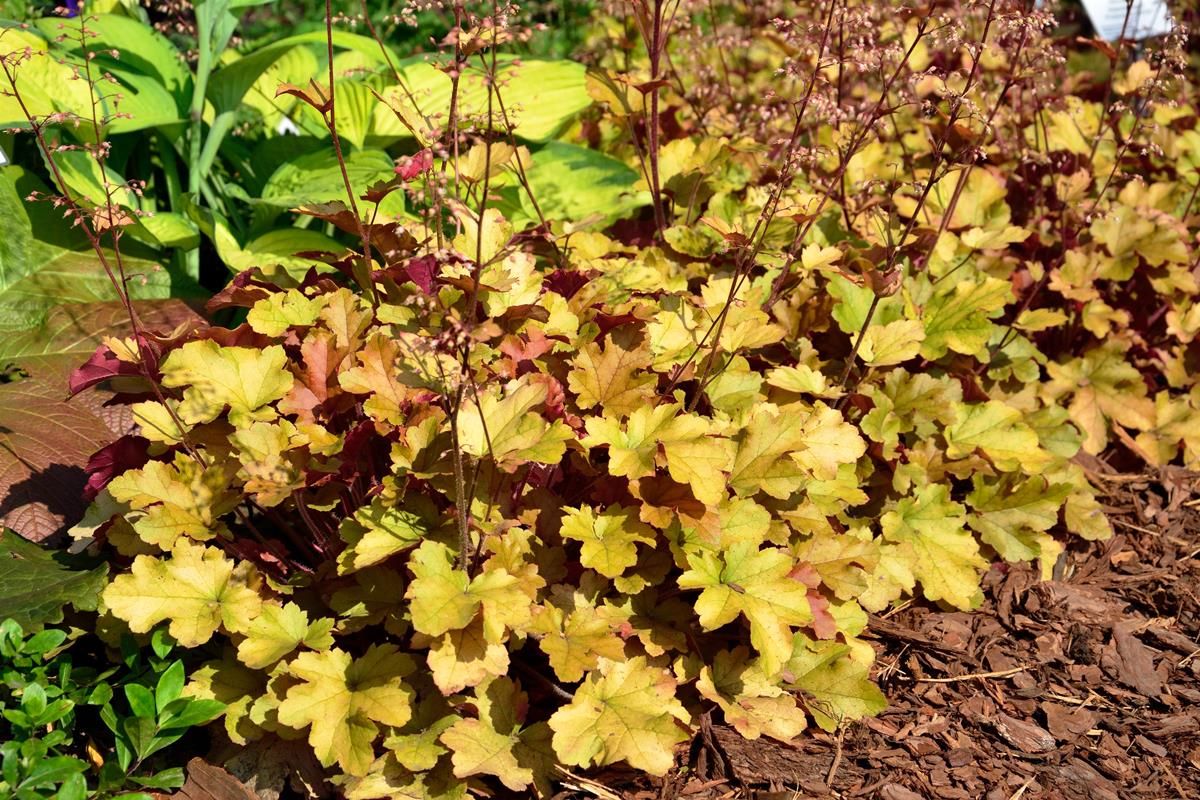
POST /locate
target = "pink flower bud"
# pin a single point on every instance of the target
(409, 167)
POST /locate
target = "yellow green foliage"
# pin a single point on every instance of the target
(496, 499)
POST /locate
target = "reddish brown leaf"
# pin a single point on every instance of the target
(823, 624)
(314, 94)
(242, 292)
(128, 452)
(209, 782)
(103, 365)
(45, 439)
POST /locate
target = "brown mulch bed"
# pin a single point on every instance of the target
(1085, 687)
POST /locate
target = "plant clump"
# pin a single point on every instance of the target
(519, 473)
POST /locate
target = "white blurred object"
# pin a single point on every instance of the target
(286, 127)
(3, 158)
(1147, 18)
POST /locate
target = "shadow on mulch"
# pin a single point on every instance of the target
(1086, 687)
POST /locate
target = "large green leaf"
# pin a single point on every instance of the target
(86, 181)
(297, 66)
(229, 84)
(46, 86)
(35, 276)
(344, 40)
(35, 583)
(317, 178)
(138, 101)
(575, 183)
(141, 49)
(131, 101)
(540, 97)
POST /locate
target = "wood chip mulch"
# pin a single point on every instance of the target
(1086, 687)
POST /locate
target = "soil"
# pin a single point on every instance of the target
(1086, 687)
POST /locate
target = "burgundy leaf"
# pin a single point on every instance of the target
(566, 282)
(103, 365)
(241, 336)
(423, 272)
(128, 452)
(242, 292)
(606, 322)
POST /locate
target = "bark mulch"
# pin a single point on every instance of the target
(1086, 687)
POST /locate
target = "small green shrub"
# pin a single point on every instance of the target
(50, 744)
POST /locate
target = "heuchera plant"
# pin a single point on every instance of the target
(470, 503)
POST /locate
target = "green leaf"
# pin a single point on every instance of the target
(167, 229)
(1104, 386)
(838, 687)
(277, 631)
(1013, 517)
(141, 701)
(750, 701)
(228, 85)
(47, 86)
(948, 562)
(443, 598)
(35, 276)
(89, 184)
(197, 588)
(137, 98)
(854, 301)
(188, 712)
(893, 343)
(761, 462)
(495, 743)
(998, 430)
(341, 699)
(141, 49)
(624, 711)
(756, 583)
(33, 700)
(52, 771)
(573, 183)
(1085, 516)
(959, 319)
(541, 97)
(243, 379)
(273, 315)
(377, 532)
(171, 778)
(509, 429)
(317, 178)
(609, 538)
(35, 583)
(170, 686)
